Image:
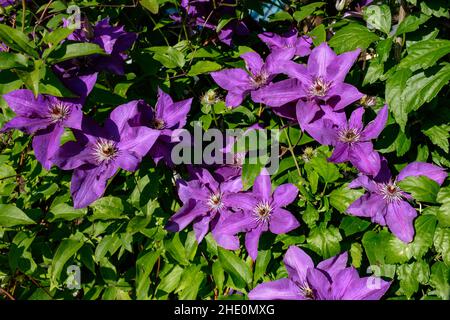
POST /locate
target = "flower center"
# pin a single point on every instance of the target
(58, 112)
(308, 154)
(263, 211)
(158, 124)
(105, 150)
(210, 97)
(215, 201)
(319, 87)
(349, 135)
(260, 79)
(390, 192)
(306, 291)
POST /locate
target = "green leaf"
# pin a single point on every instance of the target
(443, 215)
(280, 16)
(168, 57)
(310, 216)
(307, 10)
(375, 246)
(318, 34)
(249, 174)
(150, 5)
(395, 87)
(11, 216)
(56, 36)
(238, 270)
(356, 254)
(351, 225)
(32, 78)
(65, 212)
(378, 17)
(262, 261)
(424, 54)
(421, 188)
(69, 51)
(343, 197)
(12, 60)
(441, 242)
(326, 170)
(439, 279)
(439, 135)
(66, 249)
(107, 208)
(144, 266)
(437, 8)
(325, 241)
(411, 275)
(218, 275)
(190, 282)
(170, 281)
(16, 40)
(351, 37)
(411, 23)
(176, 249)
(203, 67)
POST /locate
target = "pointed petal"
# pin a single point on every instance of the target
(319, 283)
(334, 264)
(27, 125)
(355, 121)
(137, 140)
(253, 61)
(429, 170)
(128, 161)
(175, 115)
(399, 218)
(319, 60)
(244, 201)
(232, 79)
(285, 194)
(24, 104)
(201, 227)
(279, 93)
(297, 263)
(282, 289)
(342, 282)
(370, 205)
(367, 288)
(252, 241)
(262, 186)
(282, 221)
(343, 62)
(235, 98)
(364, 182)
(46, 144)
(364, 158)
(374, 128)
(340, 153)
(275, 60)
(185, 215)
(341, 95)
(191, 190)
(125, 112)
(297, 71)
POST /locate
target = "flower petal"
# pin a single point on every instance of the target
(253, 62)
(319, 60)
(399, 218)
(285, 194)
(282, 289)
(252, 241)
(340, 153)
(334, 264)
(279, 93)
(342, 94)
(355, 121)
(429, 170)
(262, 187)
(342, 64)
(374, 128)
(232, 79)
(364, 158)
(282, 221)
(46, 143)
(185, 215)
(297, 263)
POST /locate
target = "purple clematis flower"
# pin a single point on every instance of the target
(100, 151)
(330, 280)
(321, 80)
(205, 203)
(357, 10)
(386, 204)
(165, 118)
(352, 141)
(6, 3)
(45, 117)
(276, 42)
(259, 74)
(80, 74)
(262, 211)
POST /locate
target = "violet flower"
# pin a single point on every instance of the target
(99, 152)
(259, 74)
(6, 3)
(351, 139)
(276, 42)
(262, 211)
(330, 280)
(165, 118)
(80, 74)
(386, 204)
(205, 202)
(3, 47)
(321, 80)
(45, 117)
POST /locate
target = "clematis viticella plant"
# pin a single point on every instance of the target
(261, 210)
(100, 151)
(331, 279)
(386, 203)
(45, 117)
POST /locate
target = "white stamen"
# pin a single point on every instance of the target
(390, 192)
(58, 112)
(319, 87)
(349, 135)
(215, 201)
(259, 80)
(105, 150)
(262, 211)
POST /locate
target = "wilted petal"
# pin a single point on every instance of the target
(297, 263)
(374, 128)
(285, 194)
(282, 289)
(399, 218)
(46, 144)
(282, 221)
(429, 170)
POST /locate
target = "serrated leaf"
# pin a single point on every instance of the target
(378, 17)
(424, 54)
(325, 241)
(351, 37)
(342, 198)
(421, 188)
